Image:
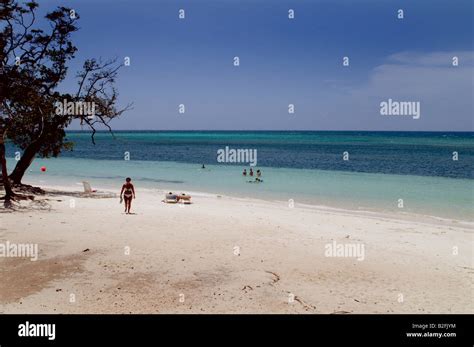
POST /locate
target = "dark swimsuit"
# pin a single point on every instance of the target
(128, 193)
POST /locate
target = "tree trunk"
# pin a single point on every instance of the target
(3, 163)
(25, 161)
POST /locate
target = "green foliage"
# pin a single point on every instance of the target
(33, 64)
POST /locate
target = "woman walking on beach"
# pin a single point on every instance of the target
(128, 192)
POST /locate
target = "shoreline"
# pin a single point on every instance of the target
(399, 215)
(372, 192)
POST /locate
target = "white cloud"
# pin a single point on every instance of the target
(440, 59)
(445, 91)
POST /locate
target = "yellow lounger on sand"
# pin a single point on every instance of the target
(186, 199)
(171, 198)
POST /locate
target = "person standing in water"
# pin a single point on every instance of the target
(245, 172)
(128, 192)
(251, 172)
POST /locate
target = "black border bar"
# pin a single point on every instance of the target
(384, 330)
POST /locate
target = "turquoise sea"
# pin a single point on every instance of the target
(308, 167)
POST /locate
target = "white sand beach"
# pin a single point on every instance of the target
(229, 255)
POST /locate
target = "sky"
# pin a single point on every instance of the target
(282, 61)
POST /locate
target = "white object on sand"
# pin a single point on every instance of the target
(94, 193)
(88, 188)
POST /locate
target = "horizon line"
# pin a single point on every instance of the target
(295, 130)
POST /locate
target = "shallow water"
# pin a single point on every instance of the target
(307, 167)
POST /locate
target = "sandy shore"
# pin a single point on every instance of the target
(228, 255)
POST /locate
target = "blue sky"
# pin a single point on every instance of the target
(283, 61)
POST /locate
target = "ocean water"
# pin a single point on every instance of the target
(307, 167)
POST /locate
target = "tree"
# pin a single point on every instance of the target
(44, 133)
(7, 8)
(34, 63)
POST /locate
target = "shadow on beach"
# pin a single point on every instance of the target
(95, 195)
